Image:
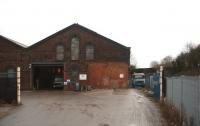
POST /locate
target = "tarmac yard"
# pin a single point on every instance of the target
(94, 108)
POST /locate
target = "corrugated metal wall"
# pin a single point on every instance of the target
(184, 93)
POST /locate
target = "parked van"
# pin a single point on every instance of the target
(138, 80)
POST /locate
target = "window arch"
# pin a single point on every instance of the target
(89, 52)
(75, 48)
(60, 52)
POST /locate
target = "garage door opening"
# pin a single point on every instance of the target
(48, 77)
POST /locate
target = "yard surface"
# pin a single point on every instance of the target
(94, 108)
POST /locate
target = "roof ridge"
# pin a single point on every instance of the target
(100, 35)
(15, 42)
(83, 27)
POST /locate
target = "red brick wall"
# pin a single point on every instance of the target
(105, 50)
(106, 75)
(9, 54)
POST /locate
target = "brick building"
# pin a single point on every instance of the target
(75, 53)
(10, 54)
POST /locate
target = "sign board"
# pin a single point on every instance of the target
(82, 76)
(121, 75)
(65, 83)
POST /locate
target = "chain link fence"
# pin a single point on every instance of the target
(184, 93)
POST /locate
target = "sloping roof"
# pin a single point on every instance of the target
(15, 42)
(83, 28)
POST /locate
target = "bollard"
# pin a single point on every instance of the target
(18, 86)
(161, 83)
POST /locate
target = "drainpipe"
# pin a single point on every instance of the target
(30, 76)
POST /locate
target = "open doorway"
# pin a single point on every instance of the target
(48, 77)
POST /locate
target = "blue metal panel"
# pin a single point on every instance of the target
(156, 84)
(77, 87)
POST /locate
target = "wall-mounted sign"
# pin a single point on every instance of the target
(82, 76)
(121, 75)
(65, 83)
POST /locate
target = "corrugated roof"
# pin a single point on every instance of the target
(15, 42)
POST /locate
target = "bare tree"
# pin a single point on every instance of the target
(154, 64)
(188, 47)
(133, 61)
(167, 61)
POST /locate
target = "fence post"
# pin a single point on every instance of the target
(161, 83)
(198, 97)
(18, 86)
(172, 100)
(181, 109)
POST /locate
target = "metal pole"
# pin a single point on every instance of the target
(161, 82)
(181, 112)
(18, 86)
(198, 97)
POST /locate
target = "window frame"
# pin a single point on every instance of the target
(59, 52)
(11, 72)
(73, 48)
(86, 52)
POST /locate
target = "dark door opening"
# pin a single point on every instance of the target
(48, 77)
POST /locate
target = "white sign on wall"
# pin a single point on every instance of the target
(121, 75)
(82, 76)
(67, 82)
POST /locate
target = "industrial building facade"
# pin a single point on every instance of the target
(76, 54)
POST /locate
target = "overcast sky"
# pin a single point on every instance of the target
(152, 28)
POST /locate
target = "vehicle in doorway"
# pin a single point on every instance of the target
(139, 80)
(58, 82)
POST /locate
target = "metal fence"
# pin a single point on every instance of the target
(184, 93)
(8, 87)
(153, 83)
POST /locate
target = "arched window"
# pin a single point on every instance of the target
(75, 48)
(60, 52)
(11, 73)
(89, 52)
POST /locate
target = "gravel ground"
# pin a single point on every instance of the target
(94, 108)
(5, 109)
